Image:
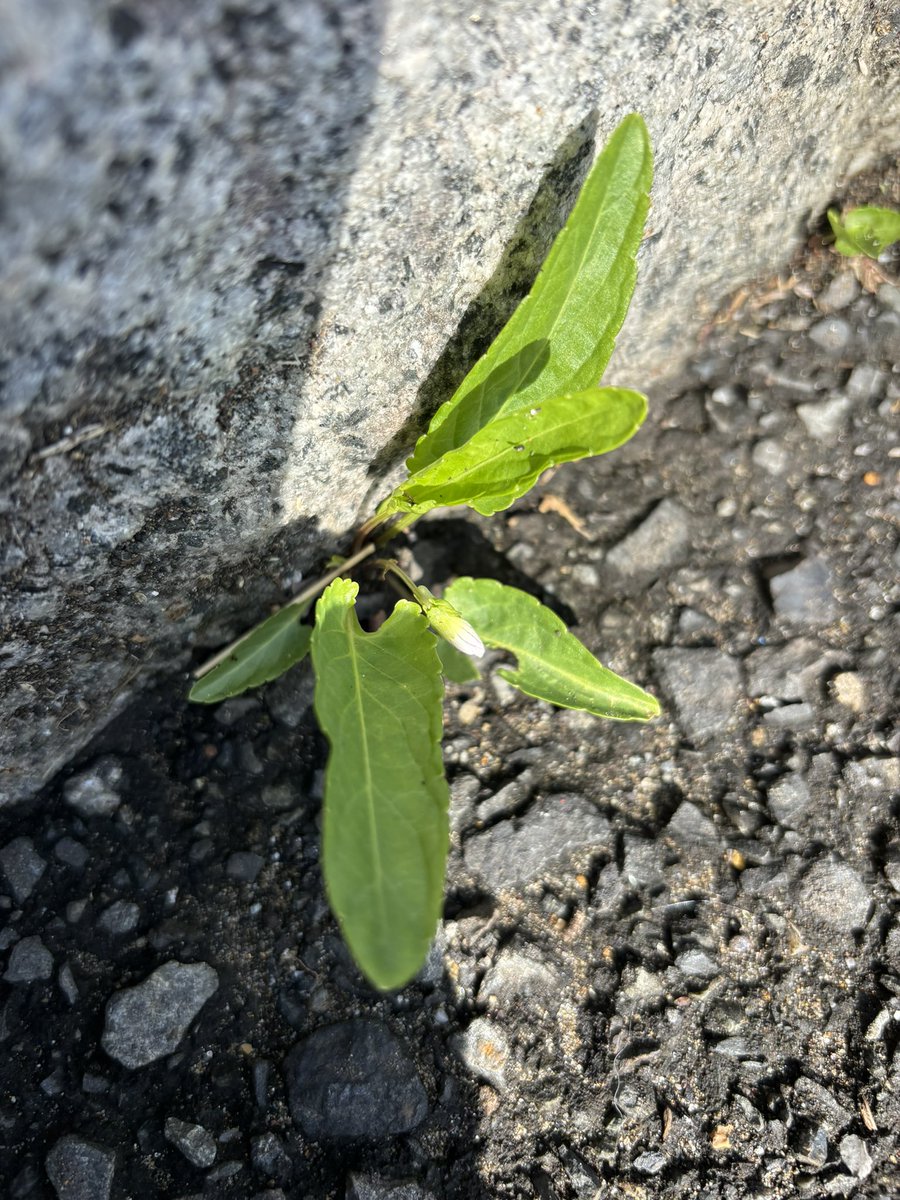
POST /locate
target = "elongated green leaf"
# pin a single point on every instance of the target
(865, 230)
(503, 460)
(484, 401)
(552, 664)
(385, 826)
(577, 304)
(456, 666)
(261, 655)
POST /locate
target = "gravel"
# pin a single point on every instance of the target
(805, 594)
(855, 1156)
(697, 965)
(29, 961)
(120, 918)
(244, 866)
(22, 867)
(484, 1050)
(72, 852)
(96, 792)
(196, 1143)
(372, 1187)
(661, 540)
(692, 827)
(560, 830)
(789, 800)
(833, 335)
(827, 418)
(789, 672)
(147, 1022)
(515, 979)
(80, 1170)
(354, 1079)
(833, 893)
(704, 689)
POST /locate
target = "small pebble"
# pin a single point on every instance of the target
(841, 292)
(704, 688)
(825, 419)
(692, 827)
(67, 984)
(832, 334)
(225, 1170)
(94, 793)
(80, 1170)
(94, 1085)
(22, 867)
(833, 894)
(855, 1156)
(805, 594)
(29, 961)
(484, 1050)
(244, 866)
(72, 853)
(661, 540)
(148, 1021)
(120, 918)
(865, 383)
(790, 716)
(697, 965)
(270, 1158)
(196, 1143)
(773, 456)
(789, 799)
(650, 1163)
(850, 690)
(354, 1079)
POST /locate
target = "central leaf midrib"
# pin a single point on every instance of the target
(367, 767)
(574, 273)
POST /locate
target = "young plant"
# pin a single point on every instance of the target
(865, 230)
(531, 402)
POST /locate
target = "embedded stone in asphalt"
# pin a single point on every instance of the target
(704, 688)
(558, 832)
(833, 893)
(354, 1079)
(147, 1022)
(80, 1170)
(22, 867)
(804, 595)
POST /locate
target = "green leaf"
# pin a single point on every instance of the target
(456, 666)
(866, 230)
(552, 664)
(385, 827)
(264, 653)
(576, 306)
(503, 460)
(474, 409)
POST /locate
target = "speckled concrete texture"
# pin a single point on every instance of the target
(246, 247)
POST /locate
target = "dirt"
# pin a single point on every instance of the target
(670, 964)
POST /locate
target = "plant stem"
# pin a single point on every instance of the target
(390, 564)
(367, 529)
(308, 593)
(403, 521)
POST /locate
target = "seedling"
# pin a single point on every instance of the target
(531, 402)
(865, 230)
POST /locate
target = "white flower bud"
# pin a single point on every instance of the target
(448, 624)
